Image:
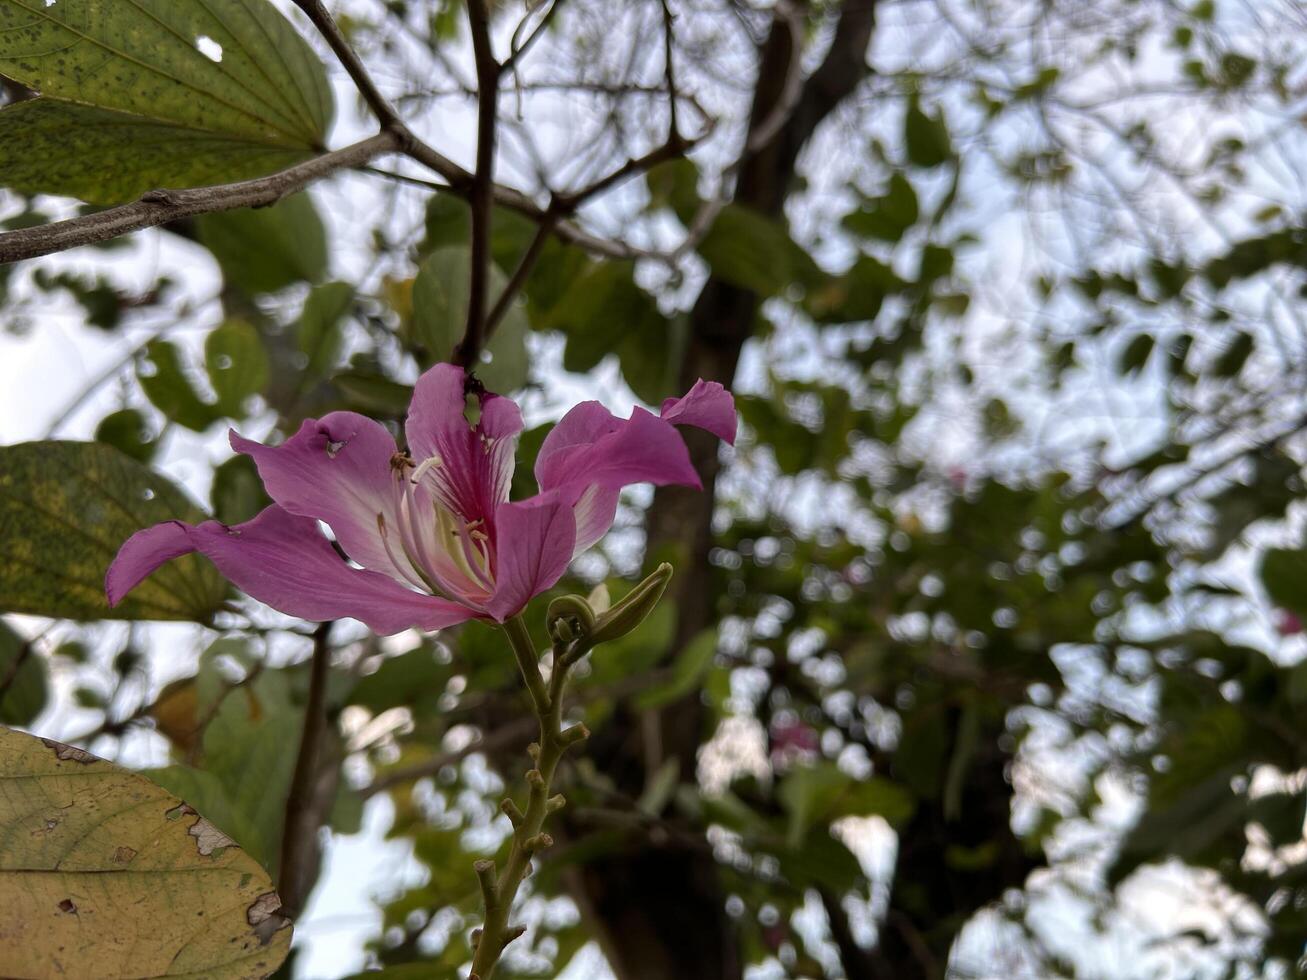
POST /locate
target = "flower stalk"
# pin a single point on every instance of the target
(499, 887)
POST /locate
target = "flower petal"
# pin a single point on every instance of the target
(536, 541)
(594, 513)
(284, 560)
(707, 406)
(590, 447)
(475, 467)
(338, 469)
(141, 554)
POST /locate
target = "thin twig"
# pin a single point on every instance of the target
(520, 274)
(331, 31)
(159, 207)
(15, 665)
(300, 829)
(482, 197)
(669, 66)
(518, 51)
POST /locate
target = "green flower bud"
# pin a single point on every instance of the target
(570, 618)
(634, 607)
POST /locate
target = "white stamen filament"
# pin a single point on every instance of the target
(406, 568)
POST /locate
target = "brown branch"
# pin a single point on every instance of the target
(299, 836)
(15, 666)
(521, 273)
(330, 30)
(518, 51)
(669, 65)
(482, 195)
(858, 963)
(159, 207)
(675, 146)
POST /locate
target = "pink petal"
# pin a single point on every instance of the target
(707, 406)
(590, 447)
(536, 540)
(141, 554)
(594, 512)
(476, 462)
(338, 469)
(284, 561)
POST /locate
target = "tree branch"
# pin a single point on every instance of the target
(330, 30)
(521, 273)
(159, 207)
(482, 196)
(299, 839)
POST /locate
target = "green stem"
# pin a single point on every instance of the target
(500, 889)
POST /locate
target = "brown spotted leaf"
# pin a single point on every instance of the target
(103, 874)
(65, 509)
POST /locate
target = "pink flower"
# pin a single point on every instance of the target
(793, 740)
(1287, 623)
(432, 537)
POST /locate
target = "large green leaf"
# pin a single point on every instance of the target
(237, 365)
(104, 874)
(65, 509)
(105, 157)
(266, 249)
(146, 93)
(755, 252)
(440, 300)
(163, 378)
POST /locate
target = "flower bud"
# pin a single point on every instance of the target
(570, 618)
(634, 607)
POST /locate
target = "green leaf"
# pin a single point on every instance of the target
(1284, 576)
(440, 301)
(48, 146)
(822, 793)
(24, 684)
(598, 299)
(249, 746)
(237, 365)
(755, 252)
(237, 493)
(164, 381)
(1232, 361)
(96, 854)
(687, 672)
(318, 333)
(65, 509)
(1135, 355)
(926, 137)
(371, 393)
(126, 430)
(171, 92)
(889, 216)
(262, 250)
(674, 184)
(403, 681)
